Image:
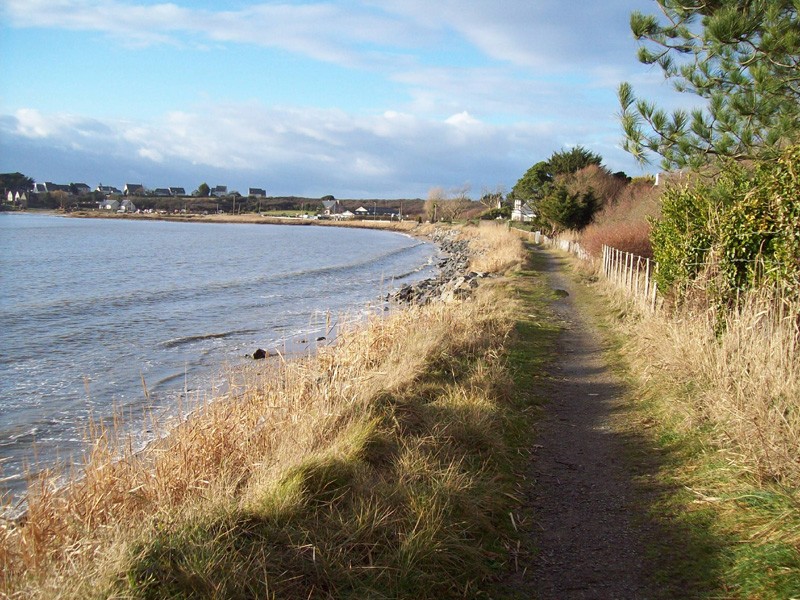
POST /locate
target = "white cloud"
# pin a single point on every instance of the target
(462, 119)
(304, 151)
(324, 31)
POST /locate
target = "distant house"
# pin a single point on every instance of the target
(133, 189)
(257, 193)
(126, 206)
(177, 191)
(162, 192)
(16, 197)
(375, 212)
(109, 205)
(346, 215)
(522, 212)
(107, 189)
(219, 190)
(331, 207)
(49, 187)
(81, 188)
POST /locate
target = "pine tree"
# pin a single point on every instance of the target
(742, 57)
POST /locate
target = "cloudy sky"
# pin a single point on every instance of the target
(355, 98)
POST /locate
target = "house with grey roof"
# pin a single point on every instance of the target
(49, 187)
(522, 212)
(107, 189)
(177, 191)
(257, 193)
(133, 189)
(331, 207)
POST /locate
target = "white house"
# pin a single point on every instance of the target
(522, 212)
(331, 207)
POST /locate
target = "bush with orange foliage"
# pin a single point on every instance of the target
(623, 223)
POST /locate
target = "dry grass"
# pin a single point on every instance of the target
(740, 376)
(494, 247)
(372, 466)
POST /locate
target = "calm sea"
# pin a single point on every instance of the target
(93, 311)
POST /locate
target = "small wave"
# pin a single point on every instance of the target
(189, 339)
(340, 268)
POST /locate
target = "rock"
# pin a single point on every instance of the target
(321, 338)
(260, 354)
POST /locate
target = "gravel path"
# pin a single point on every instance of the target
(581, 496)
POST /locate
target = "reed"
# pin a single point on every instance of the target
(373, 465)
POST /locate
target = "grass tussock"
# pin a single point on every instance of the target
(369, 470)
(491, 247)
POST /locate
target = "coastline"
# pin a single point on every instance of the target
(286, 414)
(296, 345)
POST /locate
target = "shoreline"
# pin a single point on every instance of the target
(303, 344)
(289, 446)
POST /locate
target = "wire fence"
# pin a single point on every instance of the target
(633, 274)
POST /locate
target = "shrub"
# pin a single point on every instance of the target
(632, 236)
(744, 226)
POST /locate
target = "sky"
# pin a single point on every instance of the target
(354, 98)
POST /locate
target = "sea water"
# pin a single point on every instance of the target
(105, 315)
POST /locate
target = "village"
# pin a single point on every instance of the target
(135, 198)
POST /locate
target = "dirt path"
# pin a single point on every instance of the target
(587, 530)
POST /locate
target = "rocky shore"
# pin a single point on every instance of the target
(454, 279)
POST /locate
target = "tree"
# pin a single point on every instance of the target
(741, 57)
(565, 209)
(533, 183)
(536, 181)
(202, 190)
(15, 182)
(572, 161)
(436, 196)
(493, 199)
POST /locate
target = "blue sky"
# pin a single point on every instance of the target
(355, 98)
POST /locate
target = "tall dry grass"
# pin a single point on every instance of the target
(736, 372)
(366, 466)
(494, 247)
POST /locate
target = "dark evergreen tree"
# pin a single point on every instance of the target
(741, 58)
